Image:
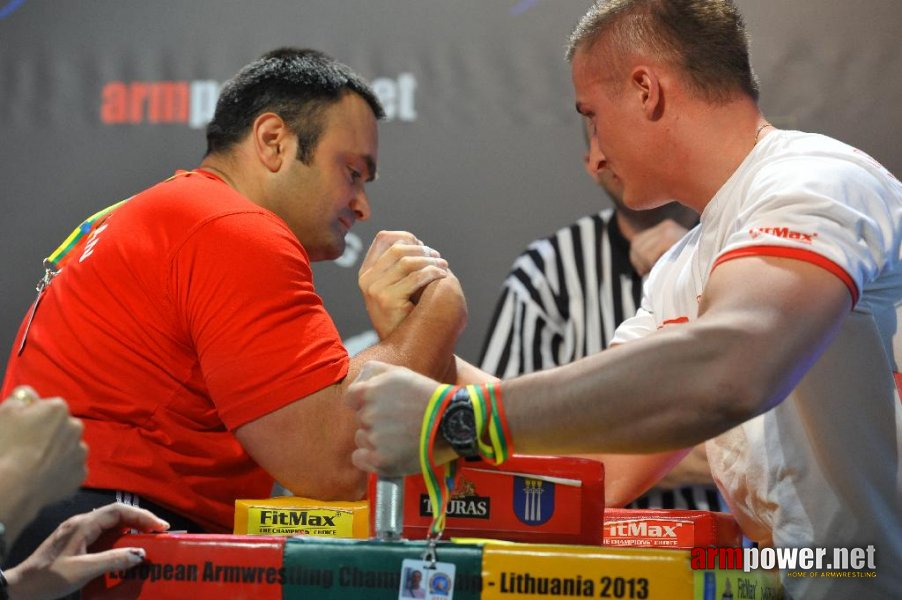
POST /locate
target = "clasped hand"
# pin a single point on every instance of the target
(393, 274)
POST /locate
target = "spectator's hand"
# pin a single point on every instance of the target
(648, 246)
(390, 402)
(62, 564)
(42, 456)
(394, 272)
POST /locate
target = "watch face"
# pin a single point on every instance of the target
(462, 426)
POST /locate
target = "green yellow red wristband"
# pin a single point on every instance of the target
(436, 477)
(492, 420)
(493, 442)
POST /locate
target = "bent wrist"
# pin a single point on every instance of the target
(16, 510)
(13, 588)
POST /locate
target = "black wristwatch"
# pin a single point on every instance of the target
(458, 425)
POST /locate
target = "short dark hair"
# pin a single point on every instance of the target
(705, 39)
(296, 84)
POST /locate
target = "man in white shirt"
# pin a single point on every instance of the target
(773, 327)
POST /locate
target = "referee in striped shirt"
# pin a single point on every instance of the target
(567, 293)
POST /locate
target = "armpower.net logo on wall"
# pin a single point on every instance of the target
(191, 103)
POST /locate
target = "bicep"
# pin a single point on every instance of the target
(782, 313)
(306, 445)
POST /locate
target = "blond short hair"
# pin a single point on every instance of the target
(705, 39)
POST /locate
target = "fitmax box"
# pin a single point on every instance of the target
(293, 515)
(661, 528)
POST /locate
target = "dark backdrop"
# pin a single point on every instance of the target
(101, 98)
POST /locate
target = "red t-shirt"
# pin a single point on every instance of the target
(191, 313)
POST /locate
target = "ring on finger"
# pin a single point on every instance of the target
(24, 395)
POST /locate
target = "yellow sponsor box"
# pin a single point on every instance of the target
(291, 515)
(542, 571)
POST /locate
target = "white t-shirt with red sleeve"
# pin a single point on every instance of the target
(824, 467)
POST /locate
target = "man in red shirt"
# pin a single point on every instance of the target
(185, 330)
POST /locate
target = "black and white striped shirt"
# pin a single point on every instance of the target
(562, 301)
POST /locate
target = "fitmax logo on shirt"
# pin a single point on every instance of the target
(783, 232)
(192, 103)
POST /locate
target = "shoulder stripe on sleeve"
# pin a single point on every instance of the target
(795, 254)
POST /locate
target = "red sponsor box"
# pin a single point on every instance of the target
(540, 499)
(195, 566)
(683, 529)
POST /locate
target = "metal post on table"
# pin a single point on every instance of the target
(389, 508)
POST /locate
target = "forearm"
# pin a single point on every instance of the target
(16, 508)
(424, 342)
(669, 391)
(468, 373)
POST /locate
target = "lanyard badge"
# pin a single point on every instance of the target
(427, 577)
(54, 263)
(77, 244)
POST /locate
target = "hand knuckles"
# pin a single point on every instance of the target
(384, 297)
(71, 525)
(379, 460)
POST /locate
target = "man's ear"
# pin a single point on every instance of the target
(646, 86)
(270, 135)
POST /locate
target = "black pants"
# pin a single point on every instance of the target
(85, 500)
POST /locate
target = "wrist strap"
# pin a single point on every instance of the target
(438, 479)
(490, 418)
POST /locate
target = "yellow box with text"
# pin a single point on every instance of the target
(542, 571)
(292, 515)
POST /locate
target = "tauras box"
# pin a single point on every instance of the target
(546, 499)
(662, 528)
